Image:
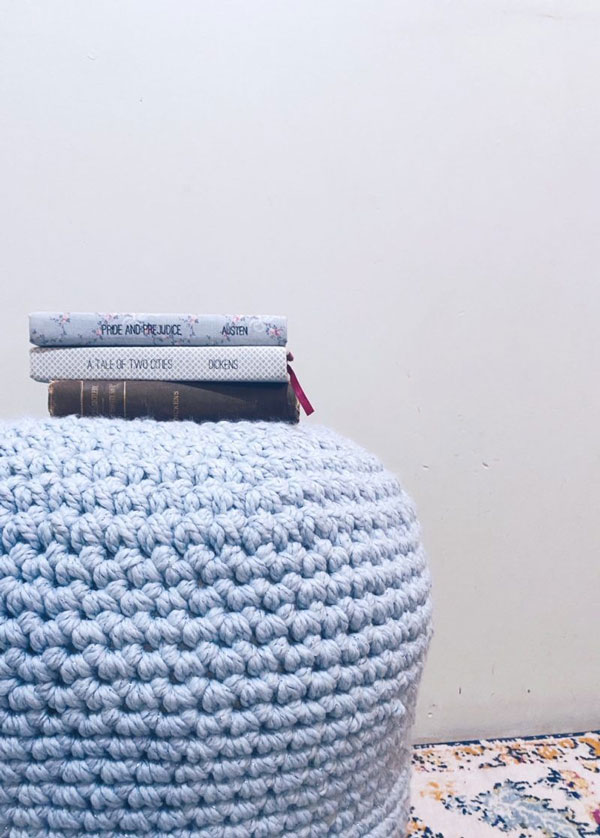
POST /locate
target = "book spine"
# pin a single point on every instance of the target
(173, 400)
(51, 328)
(164, 363)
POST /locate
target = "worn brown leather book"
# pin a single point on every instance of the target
(196, 400)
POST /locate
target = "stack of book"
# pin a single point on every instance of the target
(165, 366)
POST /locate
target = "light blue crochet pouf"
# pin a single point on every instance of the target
(206, 631)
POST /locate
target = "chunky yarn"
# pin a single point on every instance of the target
(206, 631)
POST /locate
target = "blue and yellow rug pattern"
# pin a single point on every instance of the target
(535, 787)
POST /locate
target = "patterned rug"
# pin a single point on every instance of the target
(537, 787)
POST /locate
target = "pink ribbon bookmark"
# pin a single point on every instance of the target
(300, 394)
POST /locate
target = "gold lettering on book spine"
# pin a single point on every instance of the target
(94, 399)
(112, 399)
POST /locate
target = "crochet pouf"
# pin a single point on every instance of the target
(206, 631)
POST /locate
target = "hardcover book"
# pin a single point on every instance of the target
(172, 400)
(52, 328)
(165, 363)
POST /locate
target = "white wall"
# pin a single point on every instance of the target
(417, 185)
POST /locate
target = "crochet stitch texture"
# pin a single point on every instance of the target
(206, 631)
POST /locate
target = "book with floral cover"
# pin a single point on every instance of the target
(50, 328)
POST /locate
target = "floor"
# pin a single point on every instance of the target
(537, 787)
